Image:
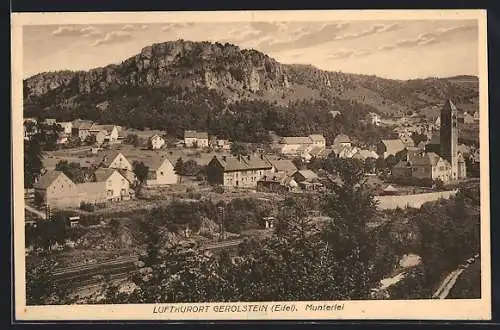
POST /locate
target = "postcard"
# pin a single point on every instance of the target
(265, 165)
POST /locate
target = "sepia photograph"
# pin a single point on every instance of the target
(251, 165)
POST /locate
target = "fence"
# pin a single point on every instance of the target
(414, 201)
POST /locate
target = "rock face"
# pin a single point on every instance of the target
(205, 64)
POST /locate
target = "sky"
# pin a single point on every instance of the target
(391, 49)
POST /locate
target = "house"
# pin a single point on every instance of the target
(67, 127)
(318, 141)
(156, 142)
(293, 145)
(56, 190)
(466, 118)
(240, 171)
(100, 136)
(81, 128)
(342, 140)
(49, 121)
(307, 180)
(347, 152)
(283, 166)
(113, 159)
(194, 139)
(222, 144)
(277, 183)
(476, 116)
(161, 170)
(389, 147)
(335, 113)
(373, 118)
(117, 187)
(92, 192)
(111, 132)
(426, 165)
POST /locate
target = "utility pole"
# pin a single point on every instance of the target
(220, 214)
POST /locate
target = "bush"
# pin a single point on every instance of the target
(412, 181)
(219, 189)
(87, 207)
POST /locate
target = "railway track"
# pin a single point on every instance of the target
(89, 274)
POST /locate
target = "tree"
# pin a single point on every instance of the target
(32, 161)
(132, 139)
(73, 171)
(90, 140)
(369, 165)
(141, 171)
(417, 138)
(238, 149)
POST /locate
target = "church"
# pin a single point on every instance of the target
(441, 159)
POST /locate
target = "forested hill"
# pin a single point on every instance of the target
(192, 83)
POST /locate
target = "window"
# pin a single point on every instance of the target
(161, 173)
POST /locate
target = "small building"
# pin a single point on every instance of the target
(194, 139)
(111, 132)
(389, 147)
(100, 136)
(294, 145)
(278, 184)
(56, 190)
(363, 154)
(426, 165)
(156, 142)
(318, 141)
(240, 171)
(335, 113)
(222, 144)
(373, 118)
(117, 187)
(67, 127)
(81, 128)
(347, 152)
(342, 140)
(305, 175)
(390, 190)
(49, 122)
(161, 171)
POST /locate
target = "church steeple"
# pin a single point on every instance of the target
(449, 135)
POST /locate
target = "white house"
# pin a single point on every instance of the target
(161, 170)
(67, 127)
(195, 139)
(156, 142)
(117, 186)
(113, 159)
(111, 131)
(374, 118)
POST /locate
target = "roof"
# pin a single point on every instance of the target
(153, 161)
(364, 153)
(102, 174)
(155, 136)
(296, 140)
(284, 165)
(106, 157)
(393, 146)
(243, 163)
(308, 174)
(82, 124)
(106, 128)
(435, 139)
(195, 134)
(429, 158)
(408, 141)
(92, 188)
(47, 179)
(390, 188)
(341, 138)
(317, 137)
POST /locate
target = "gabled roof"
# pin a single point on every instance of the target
(156, 136)
(390, 188)
(82, 124)
(341, 138)
(195, 135)
(105, 128)
(335, 113)
(407, 141)
(154, 162)
(308, 174)
(92, 188)
(107, 157)
(317, 137)
(364, 153)
(296, 140)
(47, 179)
(284, 165)
(243, 163)
(393, 146)
(102, 174)
(428, 158)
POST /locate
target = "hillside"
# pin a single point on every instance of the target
(217, 75)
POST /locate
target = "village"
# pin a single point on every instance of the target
(112, 175)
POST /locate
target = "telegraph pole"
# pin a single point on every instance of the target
(220, 214)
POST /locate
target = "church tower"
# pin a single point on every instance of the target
(449, 140)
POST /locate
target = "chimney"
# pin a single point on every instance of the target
(239, 158)
(223, 158)
(248, 157)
